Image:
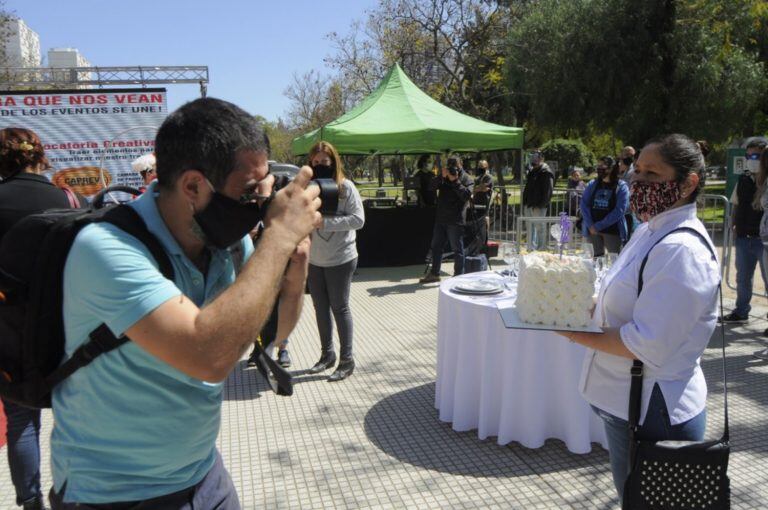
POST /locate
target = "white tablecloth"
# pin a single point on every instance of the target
(519, 385)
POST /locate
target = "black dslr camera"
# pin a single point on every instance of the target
(284, 173)
(453, 166)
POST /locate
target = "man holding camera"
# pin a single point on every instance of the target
(454, 189)
(137, 427)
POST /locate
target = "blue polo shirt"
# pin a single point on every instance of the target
(129, 426)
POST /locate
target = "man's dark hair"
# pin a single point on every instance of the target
(206, 135)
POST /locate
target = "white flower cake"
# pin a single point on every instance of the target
(554, 291)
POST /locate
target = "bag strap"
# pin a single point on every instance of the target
(636, 372)
(264, 362)
(74, 202)
(102, 340)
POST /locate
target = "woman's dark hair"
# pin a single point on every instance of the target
(684, 155)
(704, 146)
(20, 149)
(613, 169)
(421, 164)
(205, 134)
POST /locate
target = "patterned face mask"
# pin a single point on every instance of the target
(649, 199)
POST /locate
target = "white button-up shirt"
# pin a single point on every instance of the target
(667, 326)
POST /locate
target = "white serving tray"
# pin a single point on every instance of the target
(511, 319)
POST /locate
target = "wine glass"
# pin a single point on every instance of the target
(587, 251)
(599, 267)
(610, 259)
(509, 253)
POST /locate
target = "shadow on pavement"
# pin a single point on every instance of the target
(405, 425)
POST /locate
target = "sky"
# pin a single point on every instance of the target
(252, 48)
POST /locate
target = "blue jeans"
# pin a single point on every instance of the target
(656, 427)
(454, 234)
(749, 252)
(23, 436)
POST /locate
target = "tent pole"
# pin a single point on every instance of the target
(403, 174)
(381, 171)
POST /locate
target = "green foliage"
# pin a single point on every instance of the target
(637, 69)
(568, 153)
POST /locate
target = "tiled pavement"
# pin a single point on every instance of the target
(374, 441)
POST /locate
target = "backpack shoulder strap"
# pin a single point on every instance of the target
(102, 340)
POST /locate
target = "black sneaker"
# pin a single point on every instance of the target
(283, 359)
(733, 318)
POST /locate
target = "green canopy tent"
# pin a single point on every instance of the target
(399, 118)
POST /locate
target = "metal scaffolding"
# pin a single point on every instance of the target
(86, 77)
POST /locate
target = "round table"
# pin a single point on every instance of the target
(518, 385)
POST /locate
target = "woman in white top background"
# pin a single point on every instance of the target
(332, 262)
(669, 323)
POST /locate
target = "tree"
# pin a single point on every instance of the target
(568, 153)
(452, 49)
(633, 68)
(315, 101)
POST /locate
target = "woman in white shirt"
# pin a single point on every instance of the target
(668, 324)
(332, 262)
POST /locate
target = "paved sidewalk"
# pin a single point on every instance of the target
(374, 441)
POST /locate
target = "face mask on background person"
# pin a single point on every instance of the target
(225, 221)
(752, 165)
(649, 199)
(322, 172)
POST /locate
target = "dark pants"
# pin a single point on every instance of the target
(454, 234)
(656, 427)
(214, 492)
(601, 242)
(23, 436)
(329, 287)
(749, 253)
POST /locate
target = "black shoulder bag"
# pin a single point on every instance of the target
(675, 474)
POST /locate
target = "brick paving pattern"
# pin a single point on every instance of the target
(374, 441)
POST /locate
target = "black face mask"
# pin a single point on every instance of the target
(225, 221)
(323, 172)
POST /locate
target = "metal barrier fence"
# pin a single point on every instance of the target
(507, 222)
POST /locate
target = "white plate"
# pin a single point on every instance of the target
(512, 320)
(484, 286)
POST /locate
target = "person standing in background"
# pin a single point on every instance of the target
(746, 224)
(539, 185)
(761, 201)
(25, 191)
(332, 262)
(603, 206)
(454, 188)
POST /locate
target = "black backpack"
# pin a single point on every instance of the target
(32, 258)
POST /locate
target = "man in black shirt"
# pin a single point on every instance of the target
(539, 184)
(454, 188)
(746, 224)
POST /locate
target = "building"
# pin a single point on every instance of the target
(22, 48)
(68, 57)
